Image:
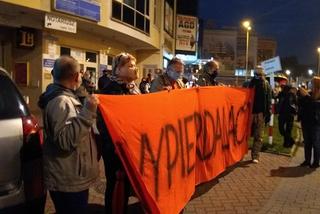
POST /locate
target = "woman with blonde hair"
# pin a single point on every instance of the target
(124, 73)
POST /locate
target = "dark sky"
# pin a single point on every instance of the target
(295, 24)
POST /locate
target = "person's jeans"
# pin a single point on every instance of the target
(70, 202)
(112, 165)
(257, 130)
(285, 129)
(307, 136)
(316, 143)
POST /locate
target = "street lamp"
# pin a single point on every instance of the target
(310, 72)
(288, 72)
(247, 25)
(318, 60)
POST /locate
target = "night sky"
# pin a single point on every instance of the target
(294, 24)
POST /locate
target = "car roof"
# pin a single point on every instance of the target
(4, 72)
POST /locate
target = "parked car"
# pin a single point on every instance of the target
(21, 174)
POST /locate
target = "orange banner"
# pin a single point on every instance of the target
(171, 141)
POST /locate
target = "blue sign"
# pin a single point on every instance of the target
(48, 63)
(88, 9)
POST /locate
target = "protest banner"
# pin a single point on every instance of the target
(169, 142)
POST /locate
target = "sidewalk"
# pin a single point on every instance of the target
(275, 185)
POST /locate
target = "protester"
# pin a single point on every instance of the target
(87, 86)
(209, 73)
(309, 114)
(144, 86)
(122, 83)
(287, 111)
(104, 80)
(171, 79)
(261, 110)
(315, 122)
(305, 117)
(87, 82)
(70, 151)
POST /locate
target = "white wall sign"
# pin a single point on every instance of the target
(186, 33)
(271, 65)
(60, 23)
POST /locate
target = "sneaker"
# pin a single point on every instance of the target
(255, 161)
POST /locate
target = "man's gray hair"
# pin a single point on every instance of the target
(173, 61)
(64, 68)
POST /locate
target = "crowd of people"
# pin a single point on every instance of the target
(76, 135)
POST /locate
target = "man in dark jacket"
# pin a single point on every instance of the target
(287, 111)
(70, 151)
(104, 80)
(261, 111)
(209, 74)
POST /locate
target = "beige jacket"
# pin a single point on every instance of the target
(162, 81)
(70, 150)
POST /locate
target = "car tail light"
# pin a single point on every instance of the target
(32, 138)
(32, 163)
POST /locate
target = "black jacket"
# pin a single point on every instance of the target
(113, 88)
(262, 96)
(103, 82)
(288, 105)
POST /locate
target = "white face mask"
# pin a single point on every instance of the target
(173, 74)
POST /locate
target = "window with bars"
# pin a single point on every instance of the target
(132, 12)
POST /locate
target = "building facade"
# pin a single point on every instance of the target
(228, 46)
(34, 33)
(267, 48)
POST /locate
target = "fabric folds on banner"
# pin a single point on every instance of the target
(169, 142)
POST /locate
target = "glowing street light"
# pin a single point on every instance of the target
(288, 72)
(247, 25)
(318, 60)
(310, 72)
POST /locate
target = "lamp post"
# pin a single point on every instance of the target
(318, 60)
(310, 72)
(288, 72)
(247, 26)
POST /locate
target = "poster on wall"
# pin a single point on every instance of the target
(186, 33)
(21, 73)
(168, 19)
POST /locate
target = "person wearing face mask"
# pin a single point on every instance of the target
(171, 79)
(208, 75)
(69, 150)
(124, 74)
(261, 111)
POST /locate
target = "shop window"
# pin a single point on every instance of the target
(91, 57)
(65, 51)
(132, 12)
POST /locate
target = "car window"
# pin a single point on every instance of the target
(12, 104)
